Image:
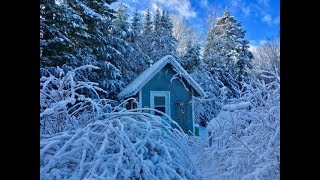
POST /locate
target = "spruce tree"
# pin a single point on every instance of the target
(162, 41)
(147, 23)
(226, 52)
(136, 26)
(170, 42)
(157, 25)
(76, 33)
(191, 58)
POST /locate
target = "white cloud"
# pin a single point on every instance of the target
(204, 3)
(242, 6)
(264, 2)
(267, 18)
(276, 20)
(246, 10)
(271, 21)
(181, 7)
(235, 3)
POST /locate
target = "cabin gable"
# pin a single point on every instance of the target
(180, 96)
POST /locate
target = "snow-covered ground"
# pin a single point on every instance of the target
(203, 132)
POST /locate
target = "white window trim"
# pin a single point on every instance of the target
(166, 94)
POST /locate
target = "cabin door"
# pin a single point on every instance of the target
(160, 100)
(181, 115)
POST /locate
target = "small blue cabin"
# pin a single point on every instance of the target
(167, 87)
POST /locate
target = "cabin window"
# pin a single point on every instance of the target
(160, 100)
(159, 104)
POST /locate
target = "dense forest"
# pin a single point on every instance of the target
(89, 52)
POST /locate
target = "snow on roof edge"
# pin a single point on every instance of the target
(149, 73)
(133, 87)
(190, 80)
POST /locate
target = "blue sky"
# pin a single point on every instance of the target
(260, 18)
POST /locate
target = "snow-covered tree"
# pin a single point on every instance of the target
(139, 42)
(169, 41)
(191, 58)
(121, 34)
(157, 23)
(227, 52)
(162, 41)
(209, 107)
(64, 101)
(245, 136)
(136, 26)
(57, 23)
(183, 32)
(267, 55)
(157, 40)
(120, 24)
(76, 33)
(243, 65)
(147, 23)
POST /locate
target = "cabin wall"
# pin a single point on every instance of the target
(179, 95)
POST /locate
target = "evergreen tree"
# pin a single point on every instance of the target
(243, 64)
(191, 58)
(157, 23)
(136, 26)
(147, 23)
(170, 42)
(76, 33)
(157, 40)
(162, 41)
(121, 24)
(139, 59)
(122, 34)
(144, 42)
(226, 52)
(57, 23)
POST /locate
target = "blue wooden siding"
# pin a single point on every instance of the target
(178, 93)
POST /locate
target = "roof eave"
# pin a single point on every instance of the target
(190, 81)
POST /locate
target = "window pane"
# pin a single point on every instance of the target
(162, 109)
(159, 100)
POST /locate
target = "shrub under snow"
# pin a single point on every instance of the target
(64, 100)
(123, 145)
(83, 138)
(246, 135)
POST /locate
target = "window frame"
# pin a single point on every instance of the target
(165, 94)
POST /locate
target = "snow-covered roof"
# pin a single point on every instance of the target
(149, 73)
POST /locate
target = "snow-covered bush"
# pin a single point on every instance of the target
(85, 137)
(246, 134)
(64, 103)
(208, 107)
(121, 145)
